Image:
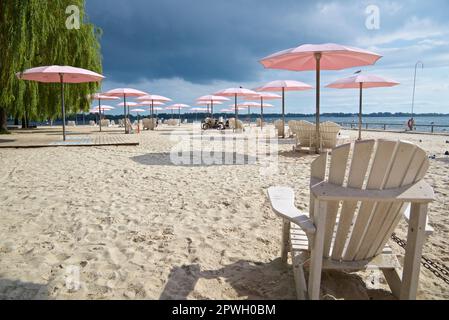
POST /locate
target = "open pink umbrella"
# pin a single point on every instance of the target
(155, 100)
(178, 106)
(263, 96)
(125, 93)
(362, 81)
(100, 97)
(328, 56)
(207, 104)
(285, 85)
(212, 99)
(60, 74)
(236, 92)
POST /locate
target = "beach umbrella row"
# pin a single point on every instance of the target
(317, 57)
(153, 100)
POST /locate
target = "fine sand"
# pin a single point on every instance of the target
(135, 226)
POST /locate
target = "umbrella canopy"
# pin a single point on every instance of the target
(104, 107)
(60, 74)
(153, 97)
(362, 81)
(198, 109)
(328, 56)
(264, 96)
(211, 99)
(149, 104)
(100, 97)
(128, 104)
(138, 110)
(125, 93)
(153, 100)
(236, 92)
(285, 85)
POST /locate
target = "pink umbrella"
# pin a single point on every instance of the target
(327, 56)
(125, 92)
(285, 85)
(60, 74)
(264, 96)
(99, 97)
(212, 99)
(236, 92)
(178, 106)
(207, 103)
(155, 100)
(361, 81)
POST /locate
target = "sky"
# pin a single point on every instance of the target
(184, 49)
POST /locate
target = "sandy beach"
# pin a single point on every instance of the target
(134, 226)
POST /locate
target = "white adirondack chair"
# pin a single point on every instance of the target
(305, 133)
(279, 125)
(354, 209)
(329, 134)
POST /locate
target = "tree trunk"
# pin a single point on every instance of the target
(3, 121)
(24, 123)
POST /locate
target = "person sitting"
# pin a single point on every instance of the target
(411, 124)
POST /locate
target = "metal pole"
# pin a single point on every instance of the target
(99, 109)
(283, 112)
(212, 109)
(261, 113)
(414, 84)
(152, 115)
(236, 112)
(360, 111)
(318, 70)
(124, 113)
(179, 109)
(61, 76)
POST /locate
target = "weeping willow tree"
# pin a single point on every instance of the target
(34, 33)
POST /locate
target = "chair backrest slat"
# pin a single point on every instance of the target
(359, 165)
(337, 172)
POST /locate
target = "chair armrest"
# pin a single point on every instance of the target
(428, 230)
(282, 201)
(420, 192)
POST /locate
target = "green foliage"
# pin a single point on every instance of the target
(33, 33)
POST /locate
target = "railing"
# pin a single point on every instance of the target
(430, 127)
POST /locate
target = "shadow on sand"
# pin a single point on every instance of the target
(165, 159)
(18, 290)
(259, 281)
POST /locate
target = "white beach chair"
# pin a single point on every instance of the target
(329, 135)
(92, 123)
(305, 134)
(349, 225)
(105, 123)
(278, 124)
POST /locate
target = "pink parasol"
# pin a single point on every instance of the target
(100, 97)
(319, 57)
(285, 85)
(362, 81)
(212, 99)
(236, 92)
(178, 106)
(125, 92)
(155, 100)
(264, 96)
(60, 74)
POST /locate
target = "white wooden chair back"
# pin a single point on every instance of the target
(278, 124)
(329, 134)
(358, 230)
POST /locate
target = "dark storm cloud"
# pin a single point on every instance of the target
(196, 40)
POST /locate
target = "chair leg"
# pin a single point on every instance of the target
(316, 260)
(298, 273)
(285, 246)
(413, 251)
(393, 277)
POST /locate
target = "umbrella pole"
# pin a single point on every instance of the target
(99, 110)
(261, 113)
(152, 115)
(318, 71)
(360, 111)
(236, 113)
(283, 112)
(124, 113)
(212, 109)
(61, 76)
